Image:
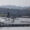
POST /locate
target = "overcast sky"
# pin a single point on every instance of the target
(15, 2)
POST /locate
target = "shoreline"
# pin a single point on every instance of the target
(14, 25)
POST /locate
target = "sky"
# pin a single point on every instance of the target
(15, 2)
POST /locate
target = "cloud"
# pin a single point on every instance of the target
(15, 2)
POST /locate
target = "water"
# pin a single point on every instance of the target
(16, 21)
(14, 28)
